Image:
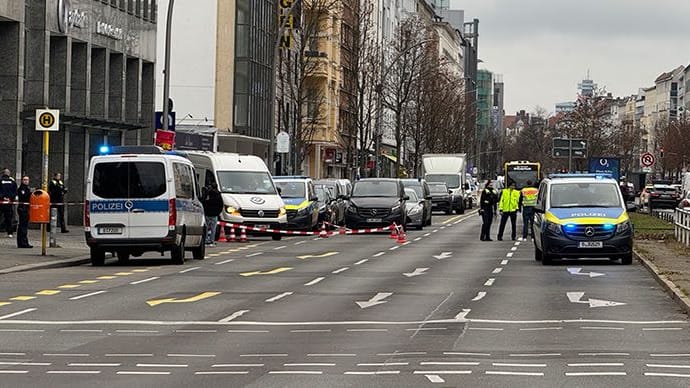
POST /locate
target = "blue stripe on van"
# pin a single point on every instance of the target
(123, 205)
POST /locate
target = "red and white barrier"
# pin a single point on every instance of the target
(323, 233)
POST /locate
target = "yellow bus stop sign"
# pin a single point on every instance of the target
(47, 119)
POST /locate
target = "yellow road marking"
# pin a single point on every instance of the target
(271, 272)
(196, 298)
(451, 219)
(69, 286)
(327, 254)
(48, 292)
(23, 298)
(214, 254)
(140, 270)
(88, 281)
(106, 277)
(4, 303)
(123, 273)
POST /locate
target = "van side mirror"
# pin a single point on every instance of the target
(406, 198)
(314, 198)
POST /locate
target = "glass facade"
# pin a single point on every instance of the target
(254, 51)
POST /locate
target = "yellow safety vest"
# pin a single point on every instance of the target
(510, 200)
(529, 196)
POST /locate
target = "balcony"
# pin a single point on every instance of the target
(318, 64)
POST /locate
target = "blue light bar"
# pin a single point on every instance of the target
(104, 149)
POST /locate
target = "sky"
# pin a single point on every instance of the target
(543, 48)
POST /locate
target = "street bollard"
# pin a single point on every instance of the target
(53, 227)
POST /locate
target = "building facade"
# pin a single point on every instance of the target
(92, 60)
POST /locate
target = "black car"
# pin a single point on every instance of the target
(376, 202)
(338, 195)
(421, 188)
(441, 198)
(327, 205)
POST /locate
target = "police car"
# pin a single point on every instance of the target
(301, 202)
(581, 215)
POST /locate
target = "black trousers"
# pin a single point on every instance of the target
(7, 218)
(502, 226)
(23, 227)
(487, 219)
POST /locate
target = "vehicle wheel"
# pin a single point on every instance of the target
(97, 257)
(627, 259)
(469, 204)
(546, 259)
(177, 252)
(420, 227)
(462, 209)
(199, 253)
(123, 257)
(449, 211)
(538, 255)
(277, 237)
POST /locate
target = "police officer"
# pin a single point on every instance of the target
(57, 190)
(487, 203)
(508, 206)
(528, 200)
(23, 197)
(8, 191)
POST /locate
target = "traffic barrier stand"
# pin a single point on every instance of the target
(243, 234)
(222, 237)
(401, 236)
(323, 233)
(233, 237)
(394, 232)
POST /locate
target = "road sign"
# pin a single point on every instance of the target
(605, 165)
(569, 148)
(47, 120)
(283, 142)
(647, 159)
(159, 120)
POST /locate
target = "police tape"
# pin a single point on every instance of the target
(341, 231)
(6, 202)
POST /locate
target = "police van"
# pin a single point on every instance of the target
(581, 215)
(141, 199)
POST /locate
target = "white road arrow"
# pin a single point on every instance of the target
(417, 272)
(462, 316)
(377, 299)
(576, 271)
(444, 255)
(576, 297)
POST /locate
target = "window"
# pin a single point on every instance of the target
(129, 180)
(184, 181)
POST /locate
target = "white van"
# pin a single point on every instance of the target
(249, 194)
(140, 199)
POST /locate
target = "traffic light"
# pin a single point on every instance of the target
(661, 152)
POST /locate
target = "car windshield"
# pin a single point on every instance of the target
(375, 189)
(438, 189)
(291, 189)
(452, 181)
(413, 196)
(414, 187)
(245, 182)
(580, 194)
(322, 193)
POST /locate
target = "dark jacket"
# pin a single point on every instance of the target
(23, 196)
(56, 190)
(213, 203)
(8, 188)
(488, 199)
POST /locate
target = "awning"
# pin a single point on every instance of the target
(88, 122)
(392, 158)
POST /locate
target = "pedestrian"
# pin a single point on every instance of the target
(487, 203)
(213, 205)
(57, 190)
(508, 207)
(528, 199)
(8, 192)
(23, 197)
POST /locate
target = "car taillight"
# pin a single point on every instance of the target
(87, 217)
(172, 214)
(655, 194)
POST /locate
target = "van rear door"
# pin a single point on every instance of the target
(150, 198)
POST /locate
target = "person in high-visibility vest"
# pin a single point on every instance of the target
(528, 201)
(508, 206)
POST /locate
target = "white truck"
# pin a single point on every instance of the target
(451, 170)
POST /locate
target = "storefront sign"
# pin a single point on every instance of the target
(286, 19)
(77, 18)
(193, 141)
(109, 30)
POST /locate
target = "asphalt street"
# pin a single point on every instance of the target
(363, 310)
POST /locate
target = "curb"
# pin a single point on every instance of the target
(675, 293)
(48, 264)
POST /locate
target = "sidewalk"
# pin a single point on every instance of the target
(71, 250)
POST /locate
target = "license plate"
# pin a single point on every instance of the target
(261, 226)
(591, 244)
(374, 220)
(110, 230)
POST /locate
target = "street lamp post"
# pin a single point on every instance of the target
(166, 69)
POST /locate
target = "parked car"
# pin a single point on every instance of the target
(662, 196)
(300, 201)
(338, 193)
(414, 208)
(441, 199)
(327, 204)
(421, 188)
(376, 202)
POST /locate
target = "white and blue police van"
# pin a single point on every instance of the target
(142, 199)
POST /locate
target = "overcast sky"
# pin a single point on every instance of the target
(543, 48)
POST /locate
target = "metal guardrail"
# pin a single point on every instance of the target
(682, 225)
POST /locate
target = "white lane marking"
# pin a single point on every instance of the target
(466, 354)
(127, 372)
(661, 328)
(87, 295)
(480, 295)
(380, 372)
(95, 364)
(224, 261)
(311, 364)
(519, 365)
(427, 329)
(234, 315)
(668, 366)
(366, 330)
(602, 354)
(653, 374)
(417, 239)
(670, 354)
(17, 313)
(81, 331)
(513, 249)
(457, 363)
(265, 355)
(517, 243)
(311, 331)
(535, 355)
(66, 355)
(311, 283)
(580, 374)
(22, 363)
(434, 231)
(383, 364)
(497, 270)
(541, 328)
(601, 328)
(21, 331)
(137, 331)
(435, 379)
(442, 372)
(189, 269)
(236, 365)
(427, 234)
(129, 355)
(504, 262)
(406, 243)
(509, 254)
(13, 372)
(331, 355)
(590, 364)
(379, 254)
(277, 297)
(73, 372)
(163, 365)
(486, 328)
(316, 239)
(507, 373)
(12, 354)
(394, 248)
(145, 280)
(229, 372)
(300, 242)
(295, 372)
(443, 227)
(280, 247)
(402, 354)
(337, 271)
(490, 282)
(191, 355)
(249, 331)
(361, 261)
(254, 254)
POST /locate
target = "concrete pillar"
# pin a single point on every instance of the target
(133, 90)
(60, 62)
(80, 80)
(11, 95)
(148, 94)
(116, 91)
(99, 82)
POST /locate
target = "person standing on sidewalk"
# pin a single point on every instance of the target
(487, 203)
(508, 206)
(57, 190)
(23, 197)
(529, 200)
(8, 192)
(213, 205)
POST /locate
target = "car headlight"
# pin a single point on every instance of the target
(352, 209)
(395, 208)
(623, 227)
(232, 211)
(303, 211)
(282, 212)
(416, 210)
(553, 228)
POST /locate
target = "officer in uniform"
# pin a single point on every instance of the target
(23, 197)
(57, 190)
(8, 191)
(508, 206)
(487, 203)
(529, 200)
